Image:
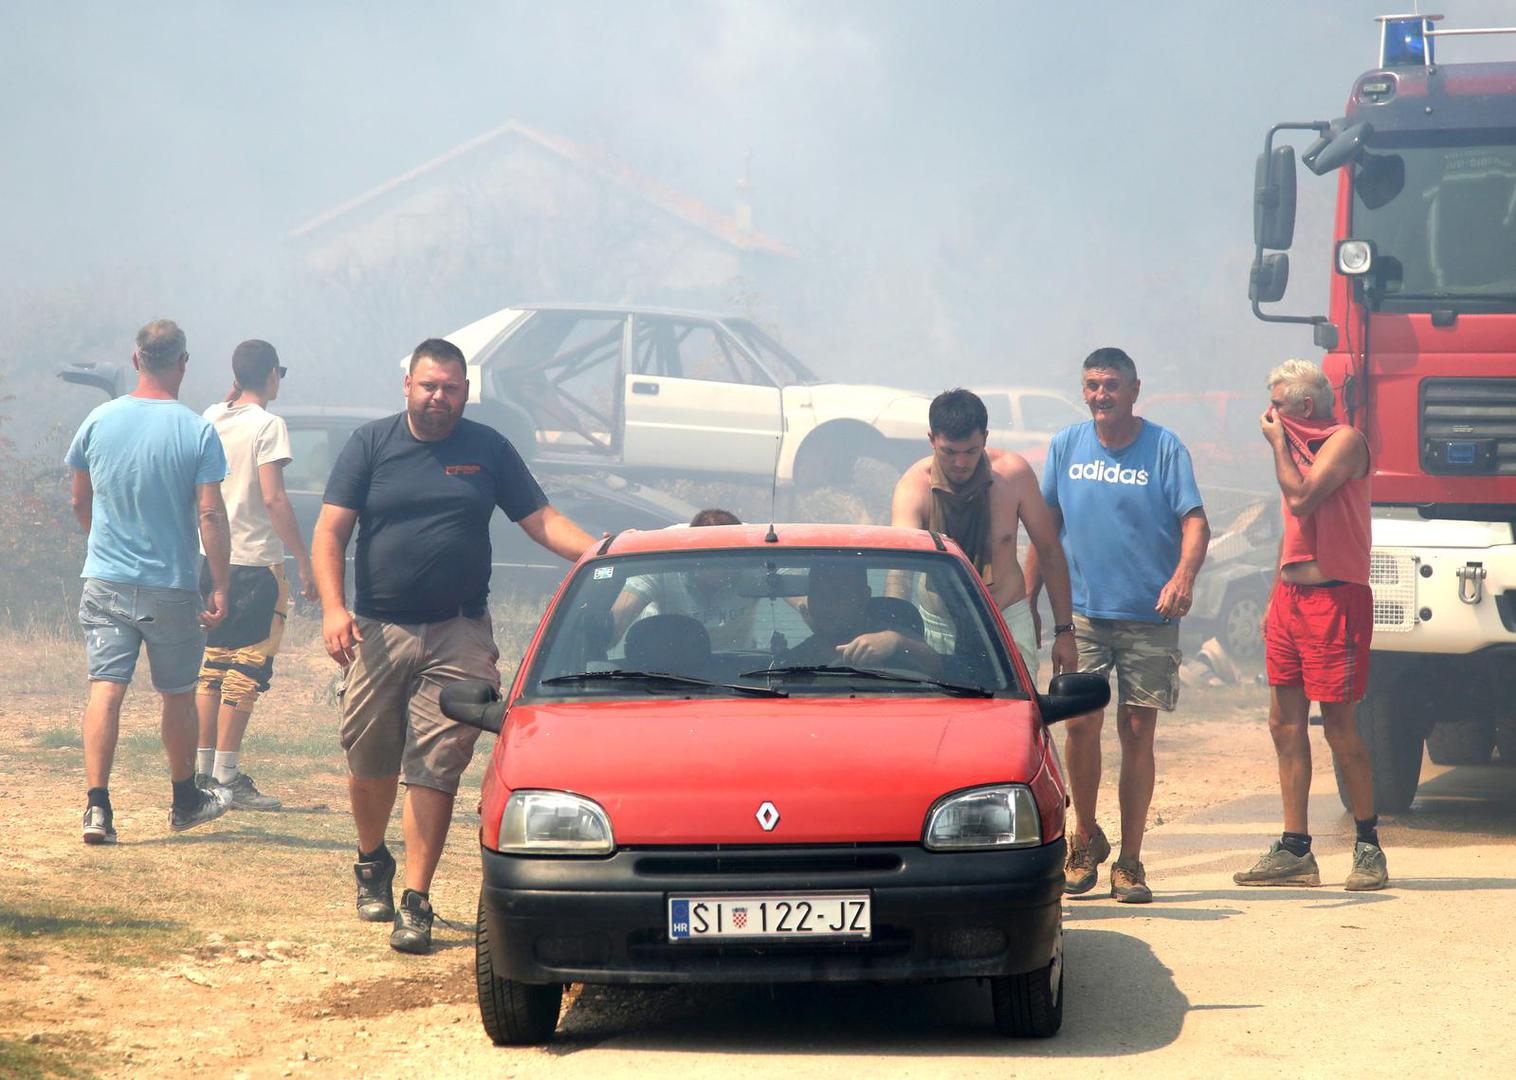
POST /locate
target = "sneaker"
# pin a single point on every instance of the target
(204, 781)
(1085, 857)
(413, 924)
(98, 827)
(1281, 866)
(246, 796)
(210, 806)
(1370, 871)
(1129, 883)
(376, 893)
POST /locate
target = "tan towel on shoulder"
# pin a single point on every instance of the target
(963, 513)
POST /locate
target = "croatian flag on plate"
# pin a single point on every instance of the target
(739, 918)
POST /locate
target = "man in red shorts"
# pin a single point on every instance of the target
(1319, 622)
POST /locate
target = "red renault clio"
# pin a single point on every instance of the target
(802, 753)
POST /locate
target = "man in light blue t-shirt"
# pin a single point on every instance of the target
(147, 475)
(1130, 517)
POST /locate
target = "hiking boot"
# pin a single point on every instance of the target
(413, 924)
(1085, 857)
(98, 826)
(1370, 871)
(246, 796)
(209, 806)
(376, 893)
(1129, 883)
(1280, 866)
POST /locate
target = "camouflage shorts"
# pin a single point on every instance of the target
(1145, 656)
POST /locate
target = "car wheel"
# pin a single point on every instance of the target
(514, 1013)
(1463, 742)
(829, 455)
(1031, 1005)
(1241, 620)
(1394, 742)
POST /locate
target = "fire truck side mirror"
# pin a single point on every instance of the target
(1274, 199)
(1335, 149)
(1268, 278)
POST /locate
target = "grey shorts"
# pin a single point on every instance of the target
(1145, 656)
(392, 723)
(119, 619)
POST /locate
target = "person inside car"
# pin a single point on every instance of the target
(850, 628)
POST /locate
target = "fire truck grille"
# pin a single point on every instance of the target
(1392, 576)
(1468, 427)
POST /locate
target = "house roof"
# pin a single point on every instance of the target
(692, 211)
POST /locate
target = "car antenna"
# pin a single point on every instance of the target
(771, 537)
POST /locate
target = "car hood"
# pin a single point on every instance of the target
(695, 771)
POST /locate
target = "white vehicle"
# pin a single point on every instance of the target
(649, 391)
(1025, 418)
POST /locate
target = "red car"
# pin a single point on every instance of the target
(798, 754)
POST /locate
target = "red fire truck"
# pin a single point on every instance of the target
(1420, 341)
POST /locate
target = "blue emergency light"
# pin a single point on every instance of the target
(1406, 40)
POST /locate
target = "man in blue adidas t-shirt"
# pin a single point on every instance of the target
(1130, 517)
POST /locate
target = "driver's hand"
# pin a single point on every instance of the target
(870, 649)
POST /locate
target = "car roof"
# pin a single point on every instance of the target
(791, 535)
(634, 309)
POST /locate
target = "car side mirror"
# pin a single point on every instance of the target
(474, 702)
(1274, 199)
(1268, 278)
(1074, 694)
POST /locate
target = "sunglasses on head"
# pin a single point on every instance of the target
(282, 370)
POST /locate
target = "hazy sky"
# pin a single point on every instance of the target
(1086, 168)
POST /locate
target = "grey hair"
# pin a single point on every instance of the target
(160, 344)
(1302, 379)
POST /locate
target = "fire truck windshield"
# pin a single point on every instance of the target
(1440, 208)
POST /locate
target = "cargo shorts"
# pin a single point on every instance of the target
(392, 722)
(1144, 654)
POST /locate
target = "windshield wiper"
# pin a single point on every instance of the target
(833, 670)
(661, 678)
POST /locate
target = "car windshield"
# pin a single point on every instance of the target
(788, 370)
(856, 623)
(1441, 211)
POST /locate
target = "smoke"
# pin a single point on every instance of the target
(977, 192)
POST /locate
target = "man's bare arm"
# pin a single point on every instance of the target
(216, 539)
(557, 533)
(1194, 537)
(1342, 457)
(81, 499)
(908, 510)
(282, 516)
(339, 629)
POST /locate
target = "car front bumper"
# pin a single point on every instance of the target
(935, 915)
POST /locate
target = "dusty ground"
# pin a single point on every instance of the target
(231, 951)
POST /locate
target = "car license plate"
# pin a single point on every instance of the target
(805, 915)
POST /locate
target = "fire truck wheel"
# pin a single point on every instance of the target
(1394, 742)
(1505, 740)
(1467, 742)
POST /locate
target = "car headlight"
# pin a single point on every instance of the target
(554, 823)
(988, 817)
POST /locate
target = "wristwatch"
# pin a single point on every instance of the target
(1063, 628)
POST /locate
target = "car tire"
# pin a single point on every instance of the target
(1463, 742)
(829, 455)
(1394, 741)
(514, 1013)
(1030, 1006)
(1239, 625)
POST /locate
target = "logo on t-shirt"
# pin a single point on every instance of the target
(1108, 474)
(460, 470)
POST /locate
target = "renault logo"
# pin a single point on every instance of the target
(767, 816)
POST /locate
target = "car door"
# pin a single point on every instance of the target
(695, 400)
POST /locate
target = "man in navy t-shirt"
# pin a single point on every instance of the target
(1135, 533)
(420, 487)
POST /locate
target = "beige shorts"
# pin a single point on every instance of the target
(1145, 656)
(391, 721)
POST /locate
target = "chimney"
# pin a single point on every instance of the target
(744, 213)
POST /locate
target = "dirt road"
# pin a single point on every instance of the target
(231, 951)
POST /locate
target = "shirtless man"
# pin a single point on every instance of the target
(977, 497)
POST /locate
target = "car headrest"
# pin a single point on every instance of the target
(675, 644)
(894, 613)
